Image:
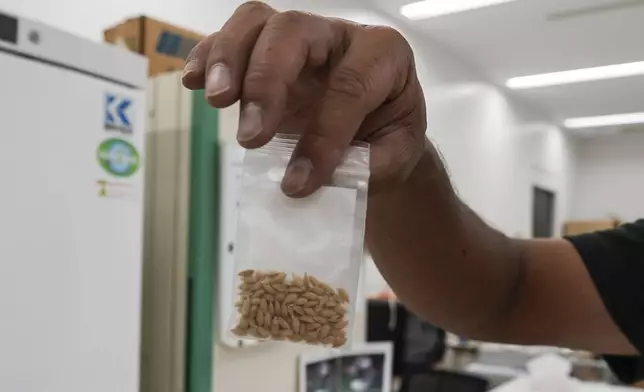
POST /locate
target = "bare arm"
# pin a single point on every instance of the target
(446, 264)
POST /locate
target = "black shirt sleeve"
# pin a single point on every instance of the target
(615, 261)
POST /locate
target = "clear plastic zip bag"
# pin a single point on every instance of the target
(297, 261)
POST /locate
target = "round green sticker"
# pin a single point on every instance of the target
(118, 157)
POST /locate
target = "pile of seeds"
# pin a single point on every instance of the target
(300, 309)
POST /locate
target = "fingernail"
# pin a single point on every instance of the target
(296, 176)
(218, 80)
(250, 124)
(190, 67)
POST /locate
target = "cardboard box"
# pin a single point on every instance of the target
(583, 227)
(166, 46)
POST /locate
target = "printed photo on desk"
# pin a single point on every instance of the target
(365, 368)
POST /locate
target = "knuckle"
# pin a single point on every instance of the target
(349, 83)
(302, 30)
(254, 7)
(389, 37)
(290, 18)
(392, 34)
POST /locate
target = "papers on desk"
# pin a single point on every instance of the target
(522, 384)
(550, 373)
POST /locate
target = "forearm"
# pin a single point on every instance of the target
(442, 260)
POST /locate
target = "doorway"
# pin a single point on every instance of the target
(543, 213)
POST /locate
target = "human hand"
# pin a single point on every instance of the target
(329, 80)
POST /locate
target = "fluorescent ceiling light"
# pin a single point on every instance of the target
(605, 121)
(432, 8)
(577, 76)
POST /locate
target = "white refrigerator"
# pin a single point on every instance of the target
(72, 120)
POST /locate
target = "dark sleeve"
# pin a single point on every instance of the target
(615, 261)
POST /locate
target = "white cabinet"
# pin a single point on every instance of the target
(73, 118)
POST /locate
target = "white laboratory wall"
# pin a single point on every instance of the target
(610, 178)
(481, 142)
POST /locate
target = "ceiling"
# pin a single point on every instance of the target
(537, 36)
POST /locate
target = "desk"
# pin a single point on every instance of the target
(521, 385)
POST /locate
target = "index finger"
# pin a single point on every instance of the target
(218, 63)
